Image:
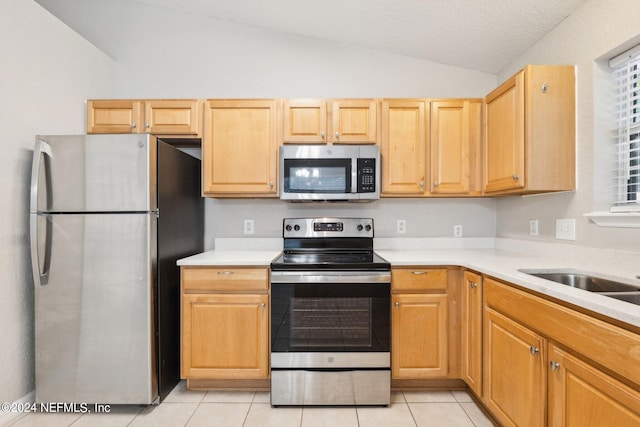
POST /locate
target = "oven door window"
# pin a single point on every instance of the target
(330, 317)
(317, 176)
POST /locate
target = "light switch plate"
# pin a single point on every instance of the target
(566, 229)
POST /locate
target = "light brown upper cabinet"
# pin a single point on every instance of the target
(403, 147)
(455, 134)
(155, 116)
(338, 121)
(529, 125)
(239, 148)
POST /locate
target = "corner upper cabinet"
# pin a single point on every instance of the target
(403, 147)
(529, 140)
(155, 116)
(454, 139)
(239, 148)
(340, 121)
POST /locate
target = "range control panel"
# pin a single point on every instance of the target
(327, 227)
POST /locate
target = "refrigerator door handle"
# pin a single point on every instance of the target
(40, 276)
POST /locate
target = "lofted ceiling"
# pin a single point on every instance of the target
(481, 35)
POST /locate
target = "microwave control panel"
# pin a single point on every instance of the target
(366, 175)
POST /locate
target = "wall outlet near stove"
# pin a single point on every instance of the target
(533, 227)
(457, 230)
(401, 226)
(249, 226)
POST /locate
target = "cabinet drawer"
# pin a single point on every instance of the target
(419, 279)
(224, 279)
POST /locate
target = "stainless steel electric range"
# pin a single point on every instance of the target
(330, 315)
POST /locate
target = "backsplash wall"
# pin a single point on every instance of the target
(433, 217)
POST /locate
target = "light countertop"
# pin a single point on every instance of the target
(501, 262)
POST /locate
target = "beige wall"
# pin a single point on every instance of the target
(595, 32)
(46, 72)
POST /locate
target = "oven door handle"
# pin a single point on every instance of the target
(372, 277)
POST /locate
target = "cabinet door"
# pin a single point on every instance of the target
(225, 336)
(419, 336)
(472, 331)
(305, 121)
(353, 121)
(402, 147)
(114, 116)
(504, 147)
(239, 150)
(514, 372)
(171, 117)
(581, 395)
(454, 140)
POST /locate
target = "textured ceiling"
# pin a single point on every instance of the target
(482, 35)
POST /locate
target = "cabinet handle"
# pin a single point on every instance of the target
(322, 134)
(515, 177)
(147, 125)
(421, 183)
(262, 306)
(534, 350)
(554, 365)
(435, 184)
(545, 87)
(397, 304)
(474, 285)
(133, 125)
(270, 184)
(225, 273)
(420, 272)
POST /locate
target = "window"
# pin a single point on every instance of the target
(626, 80)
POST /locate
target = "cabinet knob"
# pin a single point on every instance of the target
(271, 184)
(515, 177)
(435, 184)
(545, 87)
(337, 135)
(534, 350)
(133, 125)
(554, 365)
(474, 285)
(421, 183)
(147, 125)
(262, 306)
(397, 304)
(322, 134)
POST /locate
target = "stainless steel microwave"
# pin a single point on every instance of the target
(330, 172)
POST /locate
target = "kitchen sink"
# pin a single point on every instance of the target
(622, 290)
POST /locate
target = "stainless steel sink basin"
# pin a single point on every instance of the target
(624, 290)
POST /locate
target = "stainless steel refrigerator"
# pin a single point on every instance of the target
(110, 215)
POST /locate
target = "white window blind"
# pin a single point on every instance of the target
(626, 136)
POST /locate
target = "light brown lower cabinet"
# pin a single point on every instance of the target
(514, 371)
(547, 364)
(582, 395)
(225, 323)
(471, 331)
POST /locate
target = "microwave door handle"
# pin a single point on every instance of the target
(354, 175)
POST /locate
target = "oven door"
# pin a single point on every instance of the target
(329, 312)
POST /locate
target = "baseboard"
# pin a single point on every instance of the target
(9, 417)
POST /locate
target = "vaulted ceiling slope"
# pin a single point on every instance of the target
(481, 35)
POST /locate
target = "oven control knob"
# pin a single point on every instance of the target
(367, 227)
(288, 227)
(359, 227)
(296, 227)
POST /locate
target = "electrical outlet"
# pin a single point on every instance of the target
(401, 226)
(533, 227)
(457, 230)
(249, 226)
(566, 229)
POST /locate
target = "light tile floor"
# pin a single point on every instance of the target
(250, 409)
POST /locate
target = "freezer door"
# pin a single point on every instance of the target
(94, 327)
(94, 173)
